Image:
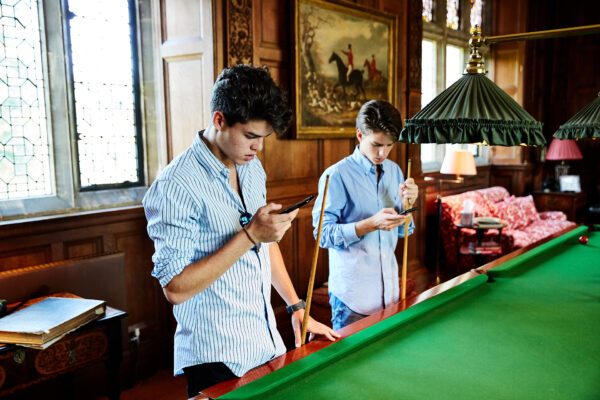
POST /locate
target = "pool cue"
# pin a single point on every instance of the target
(313, 269)
(404, 256)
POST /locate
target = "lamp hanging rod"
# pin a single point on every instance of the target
(552, 33)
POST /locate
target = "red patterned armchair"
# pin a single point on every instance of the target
(524, 224)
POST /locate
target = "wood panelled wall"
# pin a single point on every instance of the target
(512, 166)
(552, 79)
(563, 76)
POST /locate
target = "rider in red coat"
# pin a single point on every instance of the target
(350, 61)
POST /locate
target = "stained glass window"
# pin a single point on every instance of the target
(452, 14)
(428, 10)
(476, 12)
(24, 150)
(107, 131)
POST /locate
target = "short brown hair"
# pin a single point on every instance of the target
(379, 116)
(243, 93)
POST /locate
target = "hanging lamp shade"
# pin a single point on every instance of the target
(583, 125)
(474, 110)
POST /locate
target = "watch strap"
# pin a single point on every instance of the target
(295, 307)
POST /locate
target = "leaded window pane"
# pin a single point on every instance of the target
(452, 14)
(102, 67)
(428, 10)
(476, 12)
(25, 169)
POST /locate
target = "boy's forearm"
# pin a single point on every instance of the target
(363, 227)
(280, 278)
(200, 274)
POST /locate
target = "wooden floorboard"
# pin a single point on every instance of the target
(162, 385)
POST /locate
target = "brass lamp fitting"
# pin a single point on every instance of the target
(475, 64)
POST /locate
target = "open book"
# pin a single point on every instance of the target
(48, 320)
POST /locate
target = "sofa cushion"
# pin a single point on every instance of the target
(494, 194)
(517, 212)
(553, 215)
(509, 214)
(537, 231)
(453, 205)
(527, 205)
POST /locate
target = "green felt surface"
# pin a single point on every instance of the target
(532, 332)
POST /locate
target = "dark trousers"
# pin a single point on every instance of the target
(202, 376)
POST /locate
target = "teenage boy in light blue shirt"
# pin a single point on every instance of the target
(361, 223)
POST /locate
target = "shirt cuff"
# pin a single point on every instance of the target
(349, 234)
(165, 272)
(411, 229)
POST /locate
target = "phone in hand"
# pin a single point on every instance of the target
(297, 205)
(408, 211)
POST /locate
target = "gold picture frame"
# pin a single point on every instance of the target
(326, 96)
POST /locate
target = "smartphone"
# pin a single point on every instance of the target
(297, 205)
(408, 211)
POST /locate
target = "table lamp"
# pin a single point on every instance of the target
(456, 162)
(459, 162)
(561, 150)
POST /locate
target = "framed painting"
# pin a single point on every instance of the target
(344, 56)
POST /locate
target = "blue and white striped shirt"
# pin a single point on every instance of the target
(363, 272)
(192, 211)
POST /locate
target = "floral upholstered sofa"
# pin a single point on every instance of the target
(524, 225)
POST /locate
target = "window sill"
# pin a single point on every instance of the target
(55, 206)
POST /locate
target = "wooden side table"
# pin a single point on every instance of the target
(97, 341)
(479, 250)
(572, 204)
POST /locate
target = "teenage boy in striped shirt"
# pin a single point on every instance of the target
(216, 252)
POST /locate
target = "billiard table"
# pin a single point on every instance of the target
(526, 326)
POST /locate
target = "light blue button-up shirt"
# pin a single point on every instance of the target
(363, 272)
(192, 211)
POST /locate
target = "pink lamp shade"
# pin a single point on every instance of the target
(563, 150)
(459, 162)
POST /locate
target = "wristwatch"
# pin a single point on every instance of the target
(301, 305)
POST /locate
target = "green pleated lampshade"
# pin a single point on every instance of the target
(473, 110)
(583, 125)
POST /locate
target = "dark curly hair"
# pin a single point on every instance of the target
(379, 116)
(243, 93)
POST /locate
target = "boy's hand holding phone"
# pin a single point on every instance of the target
(387, 219)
